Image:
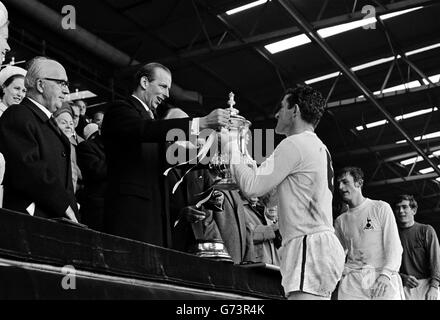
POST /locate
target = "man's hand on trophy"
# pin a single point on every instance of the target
(192, 215)
(216, 119)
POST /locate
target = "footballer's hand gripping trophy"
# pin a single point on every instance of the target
(235, 132)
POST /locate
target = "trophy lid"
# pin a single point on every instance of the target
(236, 119)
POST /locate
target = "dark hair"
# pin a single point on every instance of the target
(8, 82)
(310, 102)
(408, 197)
(147, 70)
(355, 172)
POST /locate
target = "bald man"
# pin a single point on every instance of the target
(38, 177)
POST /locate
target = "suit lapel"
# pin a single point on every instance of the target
(140, 108)
(51, 123)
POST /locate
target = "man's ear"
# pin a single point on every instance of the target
(39, 86)
(295, 110)
(360, 183)
(143, 82)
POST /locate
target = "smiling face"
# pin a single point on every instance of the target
(348, 188)
(404, 213)
(65, 123)
(156, 90)
(14, 92)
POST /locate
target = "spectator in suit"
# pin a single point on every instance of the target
(191, 225)
(91, 159)
(76, 137)
(64, 118)
(98, 117)
(38, 179)
(82, 119)
(12, 86)
(261, 232)
(135, 198)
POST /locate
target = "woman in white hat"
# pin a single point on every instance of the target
(4, 47)
(12, 86)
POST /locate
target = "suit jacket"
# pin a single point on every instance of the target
(37, 158)
(91, 160)
(193, 189)
(262, 248)
(231, 223)
(135, 197)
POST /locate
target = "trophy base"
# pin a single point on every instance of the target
(213, 250)
(226, 184)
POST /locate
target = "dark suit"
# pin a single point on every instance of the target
(231, 223)
(194, 188)
(135, 197)
(37, 158)
(91, 160)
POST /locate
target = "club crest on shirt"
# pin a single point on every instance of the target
(368, 225)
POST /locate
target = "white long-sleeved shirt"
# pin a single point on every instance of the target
(370, 236)
(300, 169)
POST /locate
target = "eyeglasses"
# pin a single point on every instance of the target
(62, 83)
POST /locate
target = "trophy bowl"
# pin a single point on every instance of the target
(236, 132)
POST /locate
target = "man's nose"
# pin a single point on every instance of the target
(277, 115)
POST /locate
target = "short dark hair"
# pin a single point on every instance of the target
(355, 172)
(8, 82)
(309, 100)
(147, 70)
(408, 197)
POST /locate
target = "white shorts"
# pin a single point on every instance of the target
(419, 293)
(356, 285)
(312, 264)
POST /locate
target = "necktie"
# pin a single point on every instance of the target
(150, 113)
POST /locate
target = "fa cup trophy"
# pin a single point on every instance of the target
(236, 132)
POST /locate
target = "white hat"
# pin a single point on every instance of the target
(90, 129)
(10, 71)
(3, 14)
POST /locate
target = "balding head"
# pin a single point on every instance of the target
(46, 82)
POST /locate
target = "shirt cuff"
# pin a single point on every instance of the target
(386, 273)
(195, 127)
